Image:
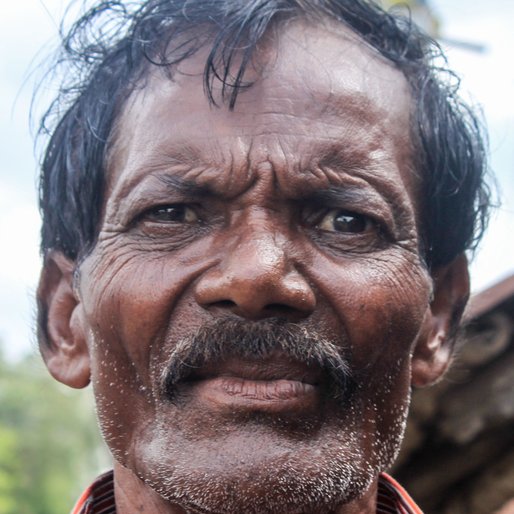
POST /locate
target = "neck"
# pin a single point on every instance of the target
(133, 496)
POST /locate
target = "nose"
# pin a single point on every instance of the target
(257, 278)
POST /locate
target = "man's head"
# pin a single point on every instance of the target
(258, 246)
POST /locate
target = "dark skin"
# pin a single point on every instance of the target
(301, 204)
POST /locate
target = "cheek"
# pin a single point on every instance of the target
(380, 303)
(129, 299)
(128, 304)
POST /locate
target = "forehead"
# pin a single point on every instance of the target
(319, 92)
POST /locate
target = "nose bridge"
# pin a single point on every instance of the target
(257, 274)
(260, 249)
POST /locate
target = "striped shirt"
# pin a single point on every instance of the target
(98, 498)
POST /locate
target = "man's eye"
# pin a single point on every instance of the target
(171, 214)
(346, 222)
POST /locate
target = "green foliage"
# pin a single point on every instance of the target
(50, 448)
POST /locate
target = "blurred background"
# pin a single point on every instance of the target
(49, 446)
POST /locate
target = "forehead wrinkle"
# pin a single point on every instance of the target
(303, 168)
(351, 110)
(229, 174)
(295, 170)
(315, 77)
(344, 106)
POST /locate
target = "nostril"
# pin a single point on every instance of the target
(275, 310)
(280, 310)
(224, 304)
(278, 307)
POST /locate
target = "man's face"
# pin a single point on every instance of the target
(293, 215)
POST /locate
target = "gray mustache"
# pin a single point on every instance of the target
(232, 338)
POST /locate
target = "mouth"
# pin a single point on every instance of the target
(274, 384)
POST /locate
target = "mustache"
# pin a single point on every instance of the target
(222, 339)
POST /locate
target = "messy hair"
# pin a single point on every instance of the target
(110, 49)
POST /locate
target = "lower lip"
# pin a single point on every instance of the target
(259, 395)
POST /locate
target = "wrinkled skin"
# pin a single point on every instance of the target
(300, 205)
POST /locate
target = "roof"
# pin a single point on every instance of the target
(490, 298)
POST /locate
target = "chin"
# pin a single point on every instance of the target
(271, 475)
(282, 488)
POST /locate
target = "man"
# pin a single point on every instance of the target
(255, 219)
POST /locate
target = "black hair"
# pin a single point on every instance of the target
(108, 52)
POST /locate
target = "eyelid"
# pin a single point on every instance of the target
(335, 213)
(186, 205)
(317, 213)
(366, 202)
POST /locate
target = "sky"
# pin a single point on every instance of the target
(28, 32)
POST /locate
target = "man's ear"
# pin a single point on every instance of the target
(62, 338)
(434, 347)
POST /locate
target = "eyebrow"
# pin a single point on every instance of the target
(337, 195)
(331, 197)
(188, 188)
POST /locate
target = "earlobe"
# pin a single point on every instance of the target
(62, 338)
(434, 346)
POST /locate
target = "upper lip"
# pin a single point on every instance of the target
(276, 366)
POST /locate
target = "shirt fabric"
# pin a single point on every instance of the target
(98, 498)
